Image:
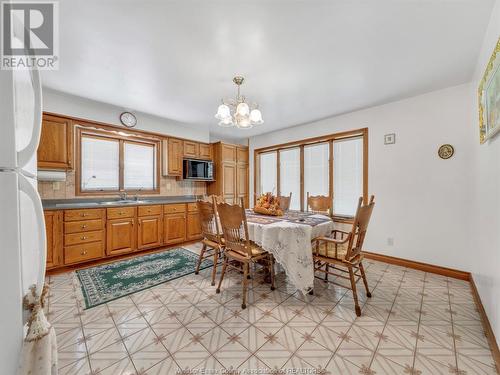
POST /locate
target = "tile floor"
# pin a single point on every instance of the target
(415, 323)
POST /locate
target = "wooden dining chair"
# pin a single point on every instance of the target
(240, 252)
(285, 201)
(342, 250)
(319, 204)
(213, 242)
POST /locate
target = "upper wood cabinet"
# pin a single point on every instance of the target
(55, 150)
(227, 153)
(231, 172)
(191, 149)
(172, 157)
(242, 155)
(54, 233)
(205, 151)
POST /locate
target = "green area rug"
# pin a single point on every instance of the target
(108, 282)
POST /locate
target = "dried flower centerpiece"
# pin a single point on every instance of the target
(268, 204)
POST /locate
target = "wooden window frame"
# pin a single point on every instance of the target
(122, 138)
(330, 139)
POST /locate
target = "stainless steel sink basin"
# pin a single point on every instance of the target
(128, 201)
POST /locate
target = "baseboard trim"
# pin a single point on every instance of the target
(426, 267)
(488, 331)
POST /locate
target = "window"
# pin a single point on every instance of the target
(100, 164)
(268, 170)
(333, 165)
(138, 166)
(347, 175)
(316, 170)
(112, 163)
(290, 175)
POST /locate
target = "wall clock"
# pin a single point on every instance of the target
(128, 119)
(446, 151)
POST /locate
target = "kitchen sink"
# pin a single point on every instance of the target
(128, 201)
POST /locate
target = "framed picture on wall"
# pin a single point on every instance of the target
(489, 97)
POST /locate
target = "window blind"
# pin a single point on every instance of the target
(316, 170)
(139, 166)
(268, 173)
(290, 176)
(100, 164)
(347, 175)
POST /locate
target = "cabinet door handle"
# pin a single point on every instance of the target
(83, 214)
(149, 210)
(83, 252)
(83, 237)
(120, 213)
(84, 226)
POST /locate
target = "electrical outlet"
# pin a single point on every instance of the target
(390, 241)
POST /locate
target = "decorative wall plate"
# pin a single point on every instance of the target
(128, 119)
(446, 151)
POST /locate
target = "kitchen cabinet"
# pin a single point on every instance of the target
(205, 151)
(191, 149)
(231, 173)
(55, 150)
(172, 157)
(174, 223)
(193, 224)
(54, 233)
(121, 236)
(77, 236)
(84, 235)
(174, 228)
(149, 227)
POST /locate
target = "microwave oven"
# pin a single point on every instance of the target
(198, 169)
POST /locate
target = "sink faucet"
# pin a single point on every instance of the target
(123, 196)
(136, 196)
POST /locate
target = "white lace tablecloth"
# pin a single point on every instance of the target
(290, 243)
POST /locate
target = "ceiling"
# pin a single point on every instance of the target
(302, 60)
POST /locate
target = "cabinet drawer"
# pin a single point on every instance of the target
(174, 208)
(83, 226)
(148, 210)
(83, 252)
(78, 238)
(192, 207)
(120, 212)
(85, 214)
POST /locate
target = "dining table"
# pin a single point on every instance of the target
(288, 238)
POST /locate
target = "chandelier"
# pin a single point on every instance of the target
(237, 112)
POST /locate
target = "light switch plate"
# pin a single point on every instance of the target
(390, 139)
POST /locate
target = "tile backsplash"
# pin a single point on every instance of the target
(169, 186)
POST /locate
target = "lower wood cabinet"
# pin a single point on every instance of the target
(121, 236)
(54, 231)
(83, 252)
(149, 232)
(174, 228)
(193, 225)
(79, 235)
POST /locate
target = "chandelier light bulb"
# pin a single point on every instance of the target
(226, 122)
(256, 117)
(243, 109)
(223, 112)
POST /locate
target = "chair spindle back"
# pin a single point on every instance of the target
(209, 224)
(234, 227)
(359, 227)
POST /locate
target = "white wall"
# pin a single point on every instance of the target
(487, 195)
(66, 104)
(422, 201)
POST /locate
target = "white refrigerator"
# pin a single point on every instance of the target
(22, 227)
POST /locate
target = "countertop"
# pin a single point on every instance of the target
(66, 204)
